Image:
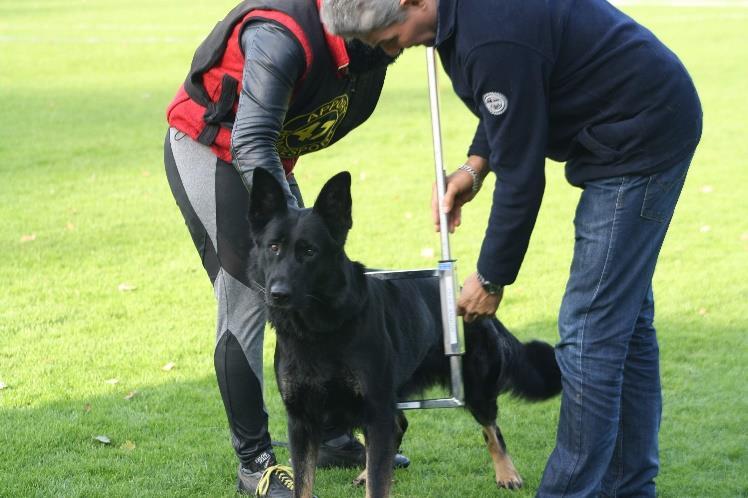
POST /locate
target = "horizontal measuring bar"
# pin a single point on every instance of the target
(430, 403)
(400, 274)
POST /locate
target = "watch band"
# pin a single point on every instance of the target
(476, 179)
(489, 287)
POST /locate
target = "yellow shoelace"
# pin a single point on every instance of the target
(283, 473)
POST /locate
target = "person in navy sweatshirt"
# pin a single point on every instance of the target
(579, 82)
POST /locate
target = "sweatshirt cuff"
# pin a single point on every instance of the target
(496, 273)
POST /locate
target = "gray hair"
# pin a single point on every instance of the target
(358, 18)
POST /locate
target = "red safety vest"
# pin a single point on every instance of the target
(327, 102)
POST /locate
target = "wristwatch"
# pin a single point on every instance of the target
(493, 289)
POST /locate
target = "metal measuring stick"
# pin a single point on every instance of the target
(454, 339)
(454, 342)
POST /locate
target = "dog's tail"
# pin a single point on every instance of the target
(536, 375)
(529, 370)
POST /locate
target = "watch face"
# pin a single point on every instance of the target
(488, 286)
(492, 288)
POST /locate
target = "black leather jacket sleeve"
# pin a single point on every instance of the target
(273, 62)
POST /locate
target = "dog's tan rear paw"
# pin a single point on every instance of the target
(361, 479)
(510, 481)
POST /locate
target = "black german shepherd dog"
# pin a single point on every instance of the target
(350, 346)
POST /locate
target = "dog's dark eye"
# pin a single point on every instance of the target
(275, 248)
(309, 251)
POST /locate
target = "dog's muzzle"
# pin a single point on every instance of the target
(280, 295)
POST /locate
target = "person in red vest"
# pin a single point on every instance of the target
(268, 85)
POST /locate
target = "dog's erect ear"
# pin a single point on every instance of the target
(266, 199)
(334, 205)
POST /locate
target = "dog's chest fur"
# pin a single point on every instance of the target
(309, 375)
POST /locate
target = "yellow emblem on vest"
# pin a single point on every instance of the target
(313, 131)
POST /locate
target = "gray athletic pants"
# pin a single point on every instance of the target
(214, 203)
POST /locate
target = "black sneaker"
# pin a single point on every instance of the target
(276, 482)
(263, 477)
(346, 451)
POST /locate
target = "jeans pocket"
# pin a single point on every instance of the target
(661, 195)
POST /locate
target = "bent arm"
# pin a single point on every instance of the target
(509, 84)
(273, 62)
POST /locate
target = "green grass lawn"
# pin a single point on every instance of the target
(86, 214)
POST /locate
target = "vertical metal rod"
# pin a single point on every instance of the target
(436, 134)
(455, 368)
(454, 341)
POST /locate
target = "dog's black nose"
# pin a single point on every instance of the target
(280, 298)
(280, 294)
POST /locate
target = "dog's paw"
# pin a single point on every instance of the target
(509, 481)
(513, 483)
(361, 479)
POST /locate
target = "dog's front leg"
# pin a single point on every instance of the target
(304, 444)
(380, 454)
(401, 425)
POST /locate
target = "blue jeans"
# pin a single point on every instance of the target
(606, 443)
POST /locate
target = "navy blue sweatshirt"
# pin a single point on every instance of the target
(573, 80)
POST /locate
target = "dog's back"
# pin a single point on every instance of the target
(414, 326)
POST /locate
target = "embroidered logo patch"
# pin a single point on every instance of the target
(495, 102)
(313, 131)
